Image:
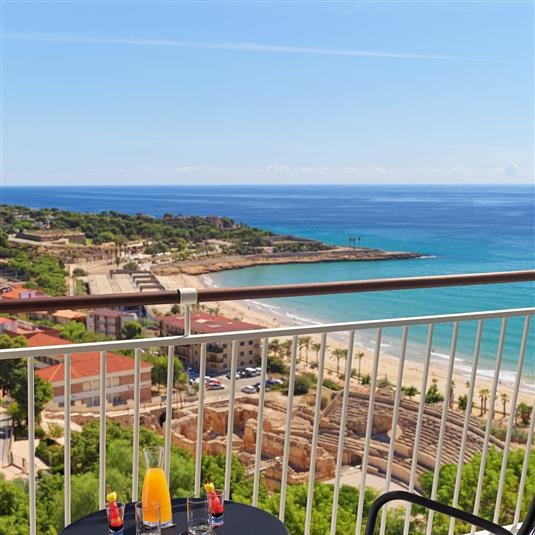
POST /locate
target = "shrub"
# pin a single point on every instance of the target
(328, 383)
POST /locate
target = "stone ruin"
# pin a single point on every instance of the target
(184, 435)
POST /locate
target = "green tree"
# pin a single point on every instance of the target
(316, 346)
(462, 402)
(359, 355)
(523, 412)
(483, 396)
(276, 365)
(469, 478)
(505, 398)
(304, 342)
(410, 391)
(339, 354)
(433, 395)
(132, 329)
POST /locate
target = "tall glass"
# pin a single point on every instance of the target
(155, 487)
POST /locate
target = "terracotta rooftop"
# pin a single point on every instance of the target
(44, 339)
(18, 291)
(88, 365)
(69, 314)
(202, 322)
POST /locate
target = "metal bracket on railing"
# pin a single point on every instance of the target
(188, 296)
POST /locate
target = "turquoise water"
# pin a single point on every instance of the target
(462, 229)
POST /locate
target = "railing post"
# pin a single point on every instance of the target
(135, 425)
(102, 432)
(31, 445)
(67, 441)
(200, 420)
(260, 423)
(169, 409)
(287, 432)
(230, 418)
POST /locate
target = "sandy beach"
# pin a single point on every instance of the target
(388, 364)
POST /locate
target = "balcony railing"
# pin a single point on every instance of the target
(398, 458)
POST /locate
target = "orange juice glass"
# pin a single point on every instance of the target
(155, 487)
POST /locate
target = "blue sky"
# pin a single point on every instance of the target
(192, 93)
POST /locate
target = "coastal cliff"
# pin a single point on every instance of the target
(221, 263)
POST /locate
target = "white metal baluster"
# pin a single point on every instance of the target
(260, 423)
(287, 436)
(524, 473)
(466, 425)
(169, 409)
(483, 461)
(442, 431)
(419, 422)
(102, 433)
(31, 444)
(67, 439)
(369, 424)
(187, 320)
(200, 421)
(511, 422)
(395, 413)
(314, 446)
(342, 431)
(135, 424)
(230, 419)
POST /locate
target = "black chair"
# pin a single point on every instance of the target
(528, 526)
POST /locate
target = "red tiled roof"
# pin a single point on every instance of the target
(88, 365)
(17, 290)
(69, 314)
(43, 339)
(201, 322)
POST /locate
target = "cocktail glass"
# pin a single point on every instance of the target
(217, 502)
(115, 514)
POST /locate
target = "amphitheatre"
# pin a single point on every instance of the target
(184, 428)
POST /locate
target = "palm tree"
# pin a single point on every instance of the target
(316, 347)
(339, 354)
(359, 355)
(274, 346)
(305, 341)
(286, 348)
(483, 395)
(450, 403)
(505, 398)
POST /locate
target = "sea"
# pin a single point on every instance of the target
(457, 229)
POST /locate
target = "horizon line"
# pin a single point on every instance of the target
(264, 184)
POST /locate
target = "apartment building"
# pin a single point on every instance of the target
(218, 355)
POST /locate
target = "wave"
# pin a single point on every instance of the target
(208, 281)
(259, 304)
(303, 320)
(445, 356)
(427, 256)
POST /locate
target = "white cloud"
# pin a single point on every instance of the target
(237, 47)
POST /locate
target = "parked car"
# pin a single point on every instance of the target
(214, 385)
(257, 386)
(249, 389)
(238, 376)
(252, 372)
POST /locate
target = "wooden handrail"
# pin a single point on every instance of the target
(9, 306)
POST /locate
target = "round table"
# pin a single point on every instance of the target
(240, 519)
